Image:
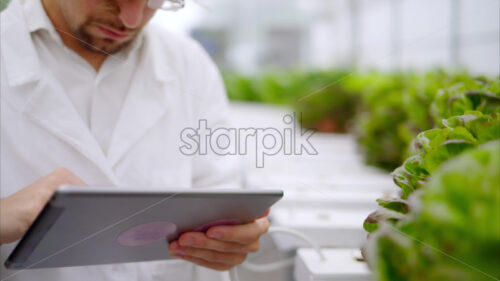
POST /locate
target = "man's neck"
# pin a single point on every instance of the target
(96, 59)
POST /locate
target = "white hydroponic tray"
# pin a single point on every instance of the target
(341, 228)
(326, 198)
(289, 181)
(340, 265)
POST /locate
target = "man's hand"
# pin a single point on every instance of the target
(18, 211)
(221, 247)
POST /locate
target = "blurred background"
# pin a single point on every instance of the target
(249, 36)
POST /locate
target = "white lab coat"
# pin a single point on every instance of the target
(40, 131)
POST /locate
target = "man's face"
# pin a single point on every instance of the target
(105, 25)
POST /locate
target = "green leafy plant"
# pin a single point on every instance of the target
(437, 203)
(379, 126)
(435, 146)
(324, 103)
(394, 109)
(452, 230)
(478, 123)
(318, 97)
(279, 87)
(479, 95)
(4, 4)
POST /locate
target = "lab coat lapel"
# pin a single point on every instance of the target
(52, 110)
(45, 103)
(18, 52)
(147, 102)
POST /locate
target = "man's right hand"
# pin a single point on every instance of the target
(19, 210)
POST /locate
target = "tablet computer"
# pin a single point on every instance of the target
(104, 225)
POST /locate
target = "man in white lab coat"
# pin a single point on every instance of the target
(91, 94)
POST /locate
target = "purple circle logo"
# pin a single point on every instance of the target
(147, 233)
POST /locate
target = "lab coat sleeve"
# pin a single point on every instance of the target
(219, 168)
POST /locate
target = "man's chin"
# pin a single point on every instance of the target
(107, 46)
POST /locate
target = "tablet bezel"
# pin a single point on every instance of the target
(254, 202)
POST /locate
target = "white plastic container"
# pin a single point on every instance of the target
(340, 265)
(340, 228)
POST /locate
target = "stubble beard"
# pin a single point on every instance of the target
(99, 45)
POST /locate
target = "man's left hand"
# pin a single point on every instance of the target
(221, 247)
